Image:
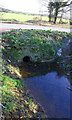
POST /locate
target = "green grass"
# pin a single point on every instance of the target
(14, 100)
(19, 17)
(25, 18)
(9, 95)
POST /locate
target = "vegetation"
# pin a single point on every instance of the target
(41, 46)
(58, 6)
(7, 17)
(54, 8)
(16, 102)
(50, 9)
(19, 17)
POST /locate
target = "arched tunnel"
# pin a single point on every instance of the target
(26, 59)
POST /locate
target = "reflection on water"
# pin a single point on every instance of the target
(30, 69)
(48, 84)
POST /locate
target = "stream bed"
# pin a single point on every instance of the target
(49, 86)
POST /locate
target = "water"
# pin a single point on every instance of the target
(48, 85)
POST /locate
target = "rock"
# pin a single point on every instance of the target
(59, 52)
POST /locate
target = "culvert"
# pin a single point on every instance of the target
(26, 59)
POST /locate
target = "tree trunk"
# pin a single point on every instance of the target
(56, 14)
(50, 11)
(49, 17)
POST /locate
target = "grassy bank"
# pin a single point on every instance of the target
(16, 102)
(31, 19)
(40, 46)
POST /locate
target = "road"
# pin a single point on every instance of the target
(6, 26)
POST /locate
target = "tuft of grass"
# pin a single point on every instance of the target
(10, 94)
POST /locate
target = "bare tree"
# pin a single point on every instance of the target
(50, 10)
(58, 6)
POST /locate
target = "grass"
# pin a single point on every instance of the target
(16, 103)
(40, 45)
(31, 19)
(19, 17)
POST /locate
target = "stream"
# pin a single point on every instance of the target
(49, 85)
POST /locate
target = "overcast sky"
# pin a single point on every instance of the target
(31, 6)
(26, 6)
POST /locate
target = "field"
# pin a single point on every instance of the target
(31, 19)
(22, 18)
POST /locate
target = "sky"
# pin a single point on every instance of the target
(29, 6)
(26, 6)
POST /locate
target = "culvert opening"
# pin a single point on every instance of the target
(26, 59)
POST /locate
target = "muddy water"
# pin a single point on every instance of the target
(49, 86)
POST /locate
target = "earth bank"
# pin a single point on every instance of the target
(40, 46)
